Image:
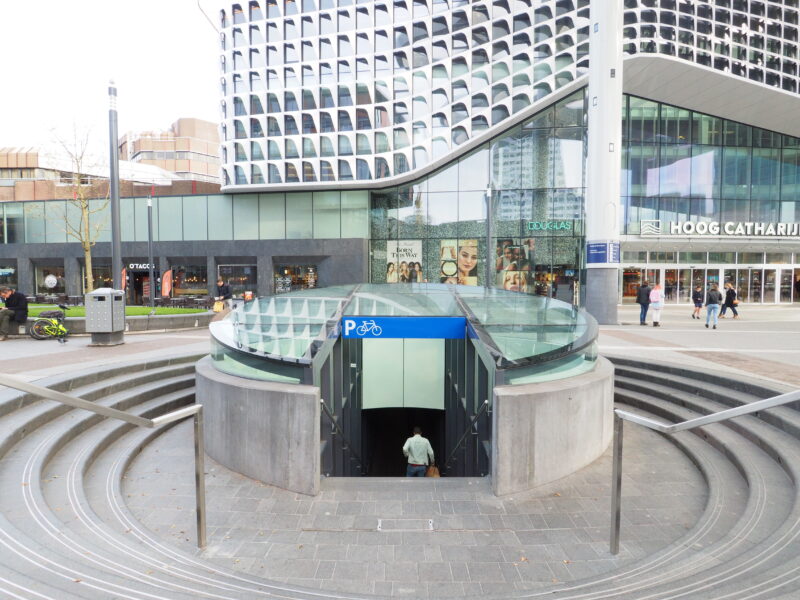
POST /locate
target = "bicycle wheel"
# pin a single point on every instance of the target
(38, 329)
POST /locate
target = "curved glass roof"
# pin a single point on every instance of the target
(517, 330)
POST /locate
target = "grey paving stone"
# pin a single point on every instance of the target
(480, 544)
(351, 569)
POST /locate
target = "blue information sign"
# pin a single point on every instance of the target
(597, 252)
(445, 328)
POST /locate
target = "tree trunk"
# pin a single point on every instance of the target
(87, 258)
(87, 246)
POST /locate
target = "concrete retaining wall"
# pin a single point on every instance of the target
(545, 431)
(265, 430)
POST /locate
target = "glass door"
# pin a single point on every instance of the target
(712, 277)
(684, 285)
(670, 285)
(769, 286)
(698, 278)
(797, 285)
(631, 280)
(755, 285)
(653, 276)
(743, 284)
(786, 285)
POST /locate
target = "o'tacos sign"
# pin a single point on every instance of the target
(650, 228)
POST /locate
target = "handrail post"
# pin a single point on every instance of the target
(200, 478)
(616, 485)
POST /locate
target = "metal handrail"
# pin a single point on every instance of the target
(482, 410)
(670, 429)
(345, 442)
(195, 410)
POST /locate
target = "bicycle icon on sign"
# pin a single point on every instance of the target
(367, 327)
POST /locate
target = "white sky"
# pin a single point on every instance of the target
(58, 56)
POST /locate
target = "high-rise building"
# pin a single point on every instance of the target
(454, 99)
(559, 145)
(189, 148)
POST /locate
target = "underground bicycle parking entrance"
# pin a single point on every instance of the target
(330, 382)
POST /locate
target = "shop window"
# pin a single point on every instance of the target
(290, 278)
(241, 278)
(189, 280)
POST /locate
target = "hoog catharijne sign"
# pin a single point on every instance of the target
(655, 227)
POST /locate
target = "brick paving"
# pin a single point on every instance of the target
(421, 537)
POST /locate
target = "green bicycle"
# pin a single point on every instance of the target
(50, 324)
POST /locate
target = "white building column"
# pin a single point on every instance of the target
(603, 161)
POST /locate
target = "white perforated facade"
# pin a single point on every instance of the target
(334, 92)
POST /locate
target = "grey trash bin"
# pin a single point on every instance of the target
(105, 315)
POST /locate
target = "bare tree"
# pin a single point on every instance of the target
(82, 220)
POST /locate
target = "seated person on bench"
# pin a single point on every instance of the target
(15, 311)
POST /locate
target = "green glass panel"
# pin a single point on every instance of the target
(126, 218)
(55, 221)
(170, 218)
(382, 373)
(423, 373)
(299, 217)
(245, 217)
(100, 219)
(355, 214)
(195, 218)
(327, 215)
(272, 216)
(34, 222)
(220, 217)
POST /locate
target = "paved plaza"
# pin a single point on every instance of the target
(420, 537)
(429, 538)
(762, 344)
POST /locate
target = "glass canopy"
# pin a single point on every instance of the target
(526, 338)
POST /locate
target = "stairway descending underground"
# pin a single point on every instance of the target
(66, 532)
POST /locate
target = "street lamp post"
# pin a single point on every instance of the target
(150, 265)
(113, 183)
(105, 309)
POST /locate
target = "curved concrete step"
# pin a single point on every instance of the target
(45, 433)
(768, 539)
(25, 414)
(77, 526)
(786, 417)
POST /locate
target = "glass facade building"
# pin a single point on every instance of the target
(532, 177)
(446, 141)
(682, 166)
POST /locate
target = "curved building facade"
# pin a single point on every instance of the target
(342, 92)
(378, 141)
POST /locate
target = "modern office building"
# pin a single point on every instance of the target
(432, 105)
(362, 140)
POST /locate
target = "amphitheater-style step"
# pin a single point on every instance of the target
(65, 531)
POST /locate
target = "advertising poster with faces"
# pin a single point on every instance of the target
(459, 262)
(514, 260)
(404, 261)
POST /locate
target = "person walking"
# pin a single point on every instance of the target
(656, 304)
(643, 300)
(713, 300)
(697, 298)
(419, 453)
(730, 302)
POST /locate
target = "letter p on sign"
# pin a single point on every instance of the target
(349, 325)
